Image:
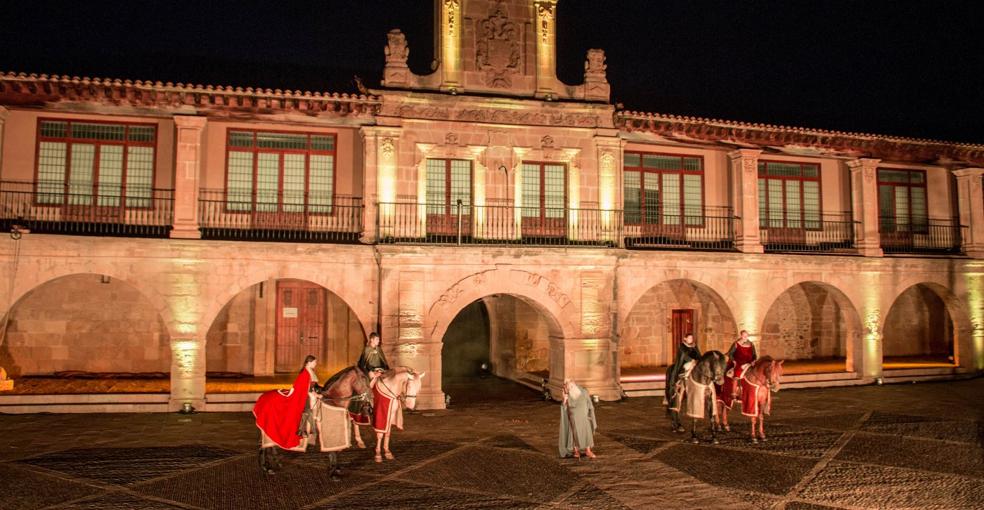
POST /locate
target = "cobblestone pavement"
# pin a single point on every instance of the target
(900, 446)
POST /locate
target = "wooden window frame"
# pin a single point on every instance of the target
(924, 185)
(447, 183)
(541, 167)
(764, 218)
(643, 170)
(256, 150)
(70, 141)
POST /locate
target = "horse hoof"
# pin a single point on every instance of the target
(378, 459)
(755, 440)
(694, 440)
(716, 441)
(389, 456)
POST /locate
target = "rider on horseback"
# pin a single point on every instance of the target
(372, 362)
(687, 351)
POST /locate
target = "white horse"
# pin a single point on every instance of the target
(392, 391)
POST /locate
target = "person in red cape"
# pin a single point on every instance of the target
(279, 413)
(740, 357)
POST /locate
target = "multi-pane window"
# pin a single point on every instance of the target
(95, 163)
(902, 201)
(789, 195)
(663, 189)
(448, 181)
(544, 190)
(280, 172)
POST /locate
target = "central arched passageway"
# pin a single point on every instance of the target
(260, 338)
(511, 337)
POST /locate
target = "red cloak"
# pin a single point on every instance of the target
(743, 354)
(278, 412)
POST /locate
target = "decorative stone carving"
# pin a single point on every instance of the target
(452, 8)
(545, 15)
(451, 139)
(547, 142)
(594, 65)
(396, 48)
(498, 51)
(387, 148)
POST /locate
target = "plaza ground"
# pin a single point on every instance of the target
(893, 446)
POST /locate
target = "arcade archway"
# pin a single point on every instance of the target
(814, 327)
(919, 330)
(261, 336)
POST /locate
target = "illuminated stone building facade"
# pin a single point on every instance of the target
(199, 231)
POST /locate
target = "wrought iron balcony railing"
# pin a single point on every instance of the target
(928, 236)
(710, 228)
(828, 233)
(421, 223)
(290, 217)
(84, 209)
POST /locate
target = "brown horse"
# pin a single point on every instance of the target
(758, 383)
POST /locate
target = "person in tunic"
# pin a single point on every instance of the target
(372, 362)
(577, 422)
(686, 351)
(740, 356)
(280, 414)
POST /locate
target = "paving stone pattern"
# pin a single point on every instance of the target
(904, 446)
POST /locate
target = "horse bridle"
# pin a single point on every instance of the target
(401, 397)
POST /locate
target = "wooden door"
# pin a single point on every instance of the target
(683, 324)
(300, 323)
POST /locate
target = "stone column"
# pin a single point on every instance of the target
(744, 199)
(864, 205)
(187, 169)
(589, 361)
(450, 40)
(410, 348)
(369, 196)
(187, 373)
(970, 198)
(3, 120)
(546, 47)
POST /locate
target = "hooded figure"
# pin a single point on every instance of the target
(577, 422)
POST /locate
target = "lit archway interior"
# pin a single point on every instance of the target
(510, 333)
(812, 326)
(919, 330)
(266, 330)
(669, 310)
(87, 333)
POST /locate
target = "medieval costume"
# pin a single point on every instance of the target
(372, 359)
(685, 353)
(739, 358)
(577, 422)
(387, 410)
(279, 412)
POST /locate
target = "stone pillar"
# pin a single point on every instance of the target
(970, 198)
(609, 157)
(744, 199)
(546, 47)
(3, 120)
(369, 197)
(410, 348)
(589, 361)
(450, 41)
(864, 205)
(187, 170)
(187, 373)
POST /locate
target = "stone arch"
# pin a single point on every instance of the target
(646, 343)
(917, 310)
(532, 288)
(76, 323)
(814, 324)
(330, 280)
(241, 337)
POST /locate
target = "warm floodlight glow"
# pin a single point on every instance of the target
(975, 298)
(451, 43)
(871, 322)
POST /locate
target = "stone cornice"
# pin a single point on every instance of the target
(833, 143)
(39, 90)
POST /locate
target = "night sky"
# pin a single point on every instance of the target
(872, 66)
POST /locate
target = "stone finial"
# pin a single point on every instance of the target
(596, 87)
(396, 72)
(396, 48)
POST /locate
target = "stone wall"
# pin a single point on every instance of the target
(918, 324)
(520, 337)
(647, 335)
(805, 322)
(80, 323)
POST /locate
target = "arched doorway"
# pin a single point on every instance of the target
(919, 330)
(87, 333)
(660, 319)
(261, 336)
(813, 327)
(511, 335)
